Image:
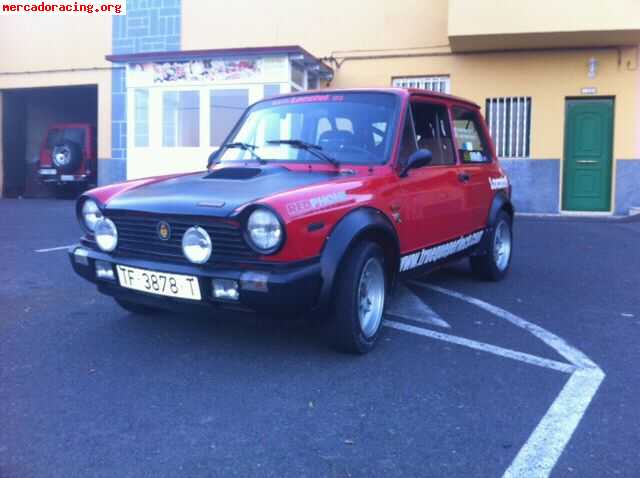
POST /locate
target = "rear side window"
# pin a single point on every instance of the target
(472, 146)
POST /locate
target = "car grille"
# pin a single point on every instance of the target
(138, 237)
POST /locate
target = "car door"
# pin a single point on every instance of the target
(475, 157)
(428, 202)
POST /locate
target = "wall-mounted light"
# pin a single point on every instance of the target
(592, 68)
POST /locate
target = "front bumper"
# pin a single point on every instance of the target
(291, 287)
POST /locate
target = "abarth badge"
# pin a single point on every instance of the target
(164, 231)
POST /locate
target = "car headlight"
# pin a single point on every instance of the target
(264, 231)
(106, 234)
(196, 245)
(90, 214)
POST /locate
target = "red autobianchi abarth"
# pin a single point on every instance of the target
(316, 201)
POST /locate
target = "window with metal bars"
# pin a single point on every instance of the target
(440, 84)
(509, 121)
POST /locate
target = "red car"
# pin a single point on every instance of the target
(68, 154)
(317, 201)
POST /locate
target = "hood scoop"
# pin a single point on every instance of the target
(234, 173)
(222, 190)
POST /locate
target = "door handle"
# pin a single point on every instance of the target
(464, 177)
(587, 161)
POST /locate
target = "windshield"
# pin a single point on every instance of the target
(351, 128)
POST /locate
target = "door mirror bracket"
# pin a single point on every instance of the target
(418, 159)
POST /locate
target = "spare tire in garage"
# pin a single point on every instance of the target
(66, 156)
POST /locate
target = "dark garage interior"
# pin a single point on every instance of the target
(27, 114)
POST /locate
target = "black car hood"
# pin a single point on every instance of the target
(217, 193)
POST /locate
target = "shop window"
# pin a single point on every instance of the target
(509, 121)
(297, 76)
(471, 145)
(141, 118)
(181, 118)
(439, 84)
(271, 90)
(225, 109)
(313, 82)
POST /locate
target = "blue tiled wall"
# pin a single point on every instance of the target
(118, 114)
(149, 25)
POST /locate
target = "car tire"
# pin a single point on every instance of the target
(137, 309)
(66, 156)
(360, 293)
(494, 264)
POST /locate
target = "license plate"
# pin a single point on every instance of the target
(67, 177)
(159, 283)
(48, 172)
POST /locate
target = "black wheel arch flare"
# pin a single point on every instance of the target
(500, 202)
(359, 224)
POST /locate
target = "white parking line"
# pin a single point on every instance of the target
(541, 451)
(407, 305)
(493, 349)
(51, 249)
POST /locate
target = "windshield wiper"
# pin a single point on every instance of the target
(314, 149)
(244, 147)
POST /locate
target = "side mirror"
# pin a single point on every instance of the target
(418, 159)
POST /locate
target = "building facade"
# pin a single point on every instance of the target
(558, 82)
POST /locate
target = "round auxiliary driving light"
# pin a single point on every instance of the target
(106, 234)
(196, 245)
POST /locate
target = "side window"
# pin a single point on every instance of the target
(408, 144)
(433, 132)
(472, 146)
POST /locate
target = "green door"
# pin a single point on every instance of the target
(587, 155)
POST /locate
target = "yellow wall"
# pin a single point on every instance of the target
(419, 29)
(321, 28)
(478, 17)
(54, 42)
(508, 25)
(548, 77)
(58, 50)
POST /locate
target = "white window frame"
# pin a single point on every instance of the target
(138, 121)
(176, 116)
(437, 83)
(512, 139)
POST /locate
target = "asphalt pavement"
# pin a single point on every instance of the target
(87, 389)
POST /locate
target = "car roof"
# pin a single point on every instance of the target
(396, 91)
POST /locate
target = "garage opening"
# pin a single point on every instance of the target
(49, 141)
